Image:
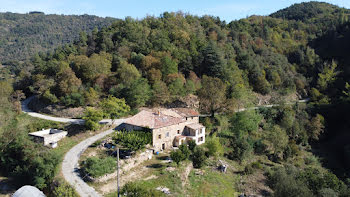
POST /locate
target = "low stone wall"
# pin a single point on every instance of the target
(127, 164)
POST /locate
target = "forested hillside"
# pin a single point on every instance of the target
(23, 35)
(298, 52)
(167, 57)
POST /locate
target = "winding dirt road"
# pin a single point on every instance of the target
(26, 109)
(70, 164)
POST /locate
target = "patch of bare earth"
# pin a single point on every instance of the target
(150, 177)
(184, 175)
(135, 174)
(56, 110)
(255, 185)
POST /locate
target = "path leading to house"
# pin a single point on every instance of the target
(184, 175)
(28, 111)
(70, 164)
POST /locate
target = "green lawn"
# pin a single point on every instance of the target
(211, 183)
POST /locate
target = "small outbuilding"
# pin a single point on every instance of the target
(49, 137)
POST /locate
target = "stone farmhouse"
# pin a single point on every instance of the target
(169, 127)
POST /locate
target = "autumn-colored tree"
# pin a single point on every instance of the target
(91, 97)
(149, 62)
(160, 93)
(90, 68)
(316, 127)
(41, 83)
(68, 82)
(154, 75)
(127, 73)
(212, 95)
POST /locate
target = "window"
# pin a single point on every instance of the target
(200, 139)
(186, 118)
(167, 134)
(178, 131)
(159, 136)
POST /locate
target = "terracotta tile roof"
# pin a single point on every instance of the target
(153, 120)
(195, 126)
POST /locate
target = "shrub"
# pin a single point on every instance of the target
(133, 140)
(192, 145)
(92, 116)
(177, 156)
(327, 192)
(97, 167)
(198, 157)
(73, 100)
(97, 143)
(214, 146)
(284, 183)
(311, 160)
(135, 190)
(252, 167)
(260, 147)
(185, 151)
(64, 190)
(241, 149)
(113, 107)
(256, 165)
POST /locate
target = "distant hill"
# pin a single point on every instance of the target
(323, 15)
(22, 35)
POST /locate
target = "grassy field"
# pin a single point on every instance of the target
(184, 180)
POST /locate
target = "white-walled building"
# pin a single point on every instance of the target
(49, 137)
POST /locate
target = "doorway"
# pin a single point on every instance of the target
(163, 146)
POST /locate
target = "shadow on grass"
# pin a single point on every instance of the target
(155, 165)
(163, 158)
(74, 129)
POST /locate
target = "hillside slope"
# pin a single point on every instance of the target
(22, 35)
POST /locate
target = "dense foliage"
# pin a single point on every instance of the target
(297, 52)
(157, 60)
(21, 158)
(133, 140)
(135, 190)
(291, 181)
(96, 167)
(23, 35)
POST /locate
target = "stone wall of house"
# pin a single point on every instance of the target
(167, 134)
(126, 165)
